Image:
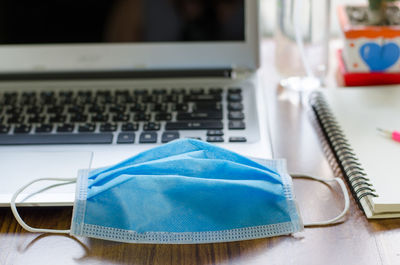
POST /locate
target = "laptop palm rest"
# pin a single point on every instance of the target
(20, 168)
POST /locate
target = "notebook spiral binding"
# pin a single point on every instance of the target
(357, 179)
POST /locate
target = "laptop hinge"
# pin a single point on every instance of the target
(222, 72)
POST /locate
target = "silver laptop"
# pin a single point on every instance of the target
(85, 84)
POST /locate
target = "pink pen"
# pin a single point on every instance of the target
(395, 135)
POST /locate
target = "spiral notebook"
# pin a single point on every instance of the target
(370, 161)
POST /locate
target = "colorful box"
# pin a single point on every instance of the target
(369, 48)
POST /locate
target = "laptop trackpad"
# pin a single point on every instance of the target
(19, 168)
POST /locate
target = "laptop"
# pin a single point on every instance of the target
(86, 84)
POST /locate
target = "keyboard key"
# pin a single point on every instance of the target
(151, 126)
(15, 119)
(44, 128)
(180, 107)
(121, 117)
(28, 100)
(234, 97)
(4, 128)
(127, 99)
(103, 93)
(207, 106)
(123, 97)
(178, 91)
(163, 116)
(126, 138)
(36, 119)
(142, 117)
(169, 136)
(85, 93)
(237, 139)
(65, 128)
(194, 125)
(83, 138)
(162, 107)
(119, 108)
(34, 110)
(149, 99)
(215, 90)
(138, 107)
(66, 94)
(237, 125)
(76, 109)
(196, 91)
(29, 94)
(129, 126)
(148, 138)
(57, 118)
(10, 98)
(84, 97)
(99, 117)
(194, 137)
(173, 98)
(22, 128)
(199, 115)
(236, 115)
(215, 133)
(139, 92)
(88, 127)
(215, 139)
(160, 91)
(209, 97)
(65, 98)
(235, 106)
(79, 118)
(103, 97)
(122, 93)
(55, 109)
(108, 127)
(47, 94)
(234, 90)
(47, 97)
(97, 108)
(15, 110)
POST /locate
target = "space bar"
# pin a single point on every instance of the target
(36, 139)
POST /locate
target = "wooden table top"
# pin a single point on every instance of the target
(297, 138)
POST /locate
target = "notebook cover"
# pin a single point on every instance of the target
(358, 112)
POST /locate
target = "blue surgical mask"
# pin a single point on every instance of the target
(186, 191)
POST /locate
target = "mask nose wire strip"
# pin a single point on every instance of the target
(18, 217)
(337, 219)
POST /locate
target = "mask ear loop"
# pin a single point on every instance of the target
(18, 217)
(337, 219)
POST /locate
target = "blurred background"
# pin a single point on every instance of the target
(268, 13)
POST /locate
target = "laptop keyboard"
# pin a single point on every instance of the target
(120, 116)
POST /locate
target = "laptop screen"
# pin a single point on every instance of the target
(115, 21)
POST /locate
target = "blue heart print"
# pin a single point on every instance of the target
(379, 58)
